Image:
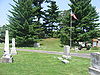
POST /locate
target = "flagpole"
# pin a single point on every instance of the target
(71, 30)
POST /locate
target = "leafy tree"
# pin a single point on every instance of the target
(50, 18)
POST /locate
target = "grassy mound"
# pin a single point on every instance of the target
(50, 44)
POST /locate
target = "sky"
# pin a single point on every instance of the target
(62, 4)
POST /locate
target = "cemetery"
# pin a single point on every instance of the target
(41, 63)
(49, 37)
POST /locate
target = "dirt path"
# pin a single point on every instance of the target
(83, 55)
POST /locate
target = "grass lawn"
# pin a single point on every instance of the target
(50, 44)
(29, 63)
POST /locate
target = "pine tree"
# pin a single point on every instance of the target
(85, 26)
(2, 33)
(83, 29)
(50, 18)
(22, 26)
(39, 14)
(64, 19)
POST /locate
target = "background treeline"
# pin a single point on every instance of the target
(29, 22)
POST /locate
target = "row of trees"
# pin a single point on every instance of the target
(29, 22)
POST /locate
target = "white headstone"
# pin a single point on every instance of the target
(76, 49)
(6, 58)
(60, 58)
(65, 61)
(6, 46)
(98, 43)
(66, 57)
(13, 49)
(67, 50)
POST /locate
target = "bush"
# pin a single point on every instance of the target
(95, 48)
(26, 42)
(64, 39)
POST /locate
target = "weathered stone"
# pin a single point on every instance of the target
(65, 61)
(66, 57)
(36, 44)
(13, 49)
(6, 46)
(95, 60)
(76, 49)
(67, 50)
(95, 64)
(6, 60)
(60, 58)
(94, 71)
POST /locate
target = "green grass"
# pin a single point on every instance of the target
(54, 45)
(29, 63)
(50, 44)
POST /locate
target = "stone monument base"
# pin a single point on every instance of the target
(94, 71)
(6, 60)
(14, 53)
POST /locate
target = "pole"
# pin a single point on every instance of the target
(71, 30)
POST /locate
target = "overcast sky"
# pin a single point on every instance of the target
(63, 5)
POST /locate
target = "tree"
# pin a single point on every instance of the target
(64, 19)
(2, 33)
(98, 33)
(51, 15)
(22, 24)
(39, 14)
(83, 29)
(85, 26)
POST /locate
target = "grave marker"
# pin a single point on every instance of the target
(13, 49)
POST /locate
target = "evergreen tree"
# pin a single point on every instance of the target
(22, 24)
(50, 18)
(83, 29)
(85, 26)
(39, 16)
(64, 19)
(2, 33)
(98, 33)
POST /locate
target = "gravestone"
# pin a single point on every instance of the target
(60, 58)
(6, 45)
(36, 44)
(65, 61)
(13, 49)
(76, 49)
(95, 64)
(66, 52)
(6, 58)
